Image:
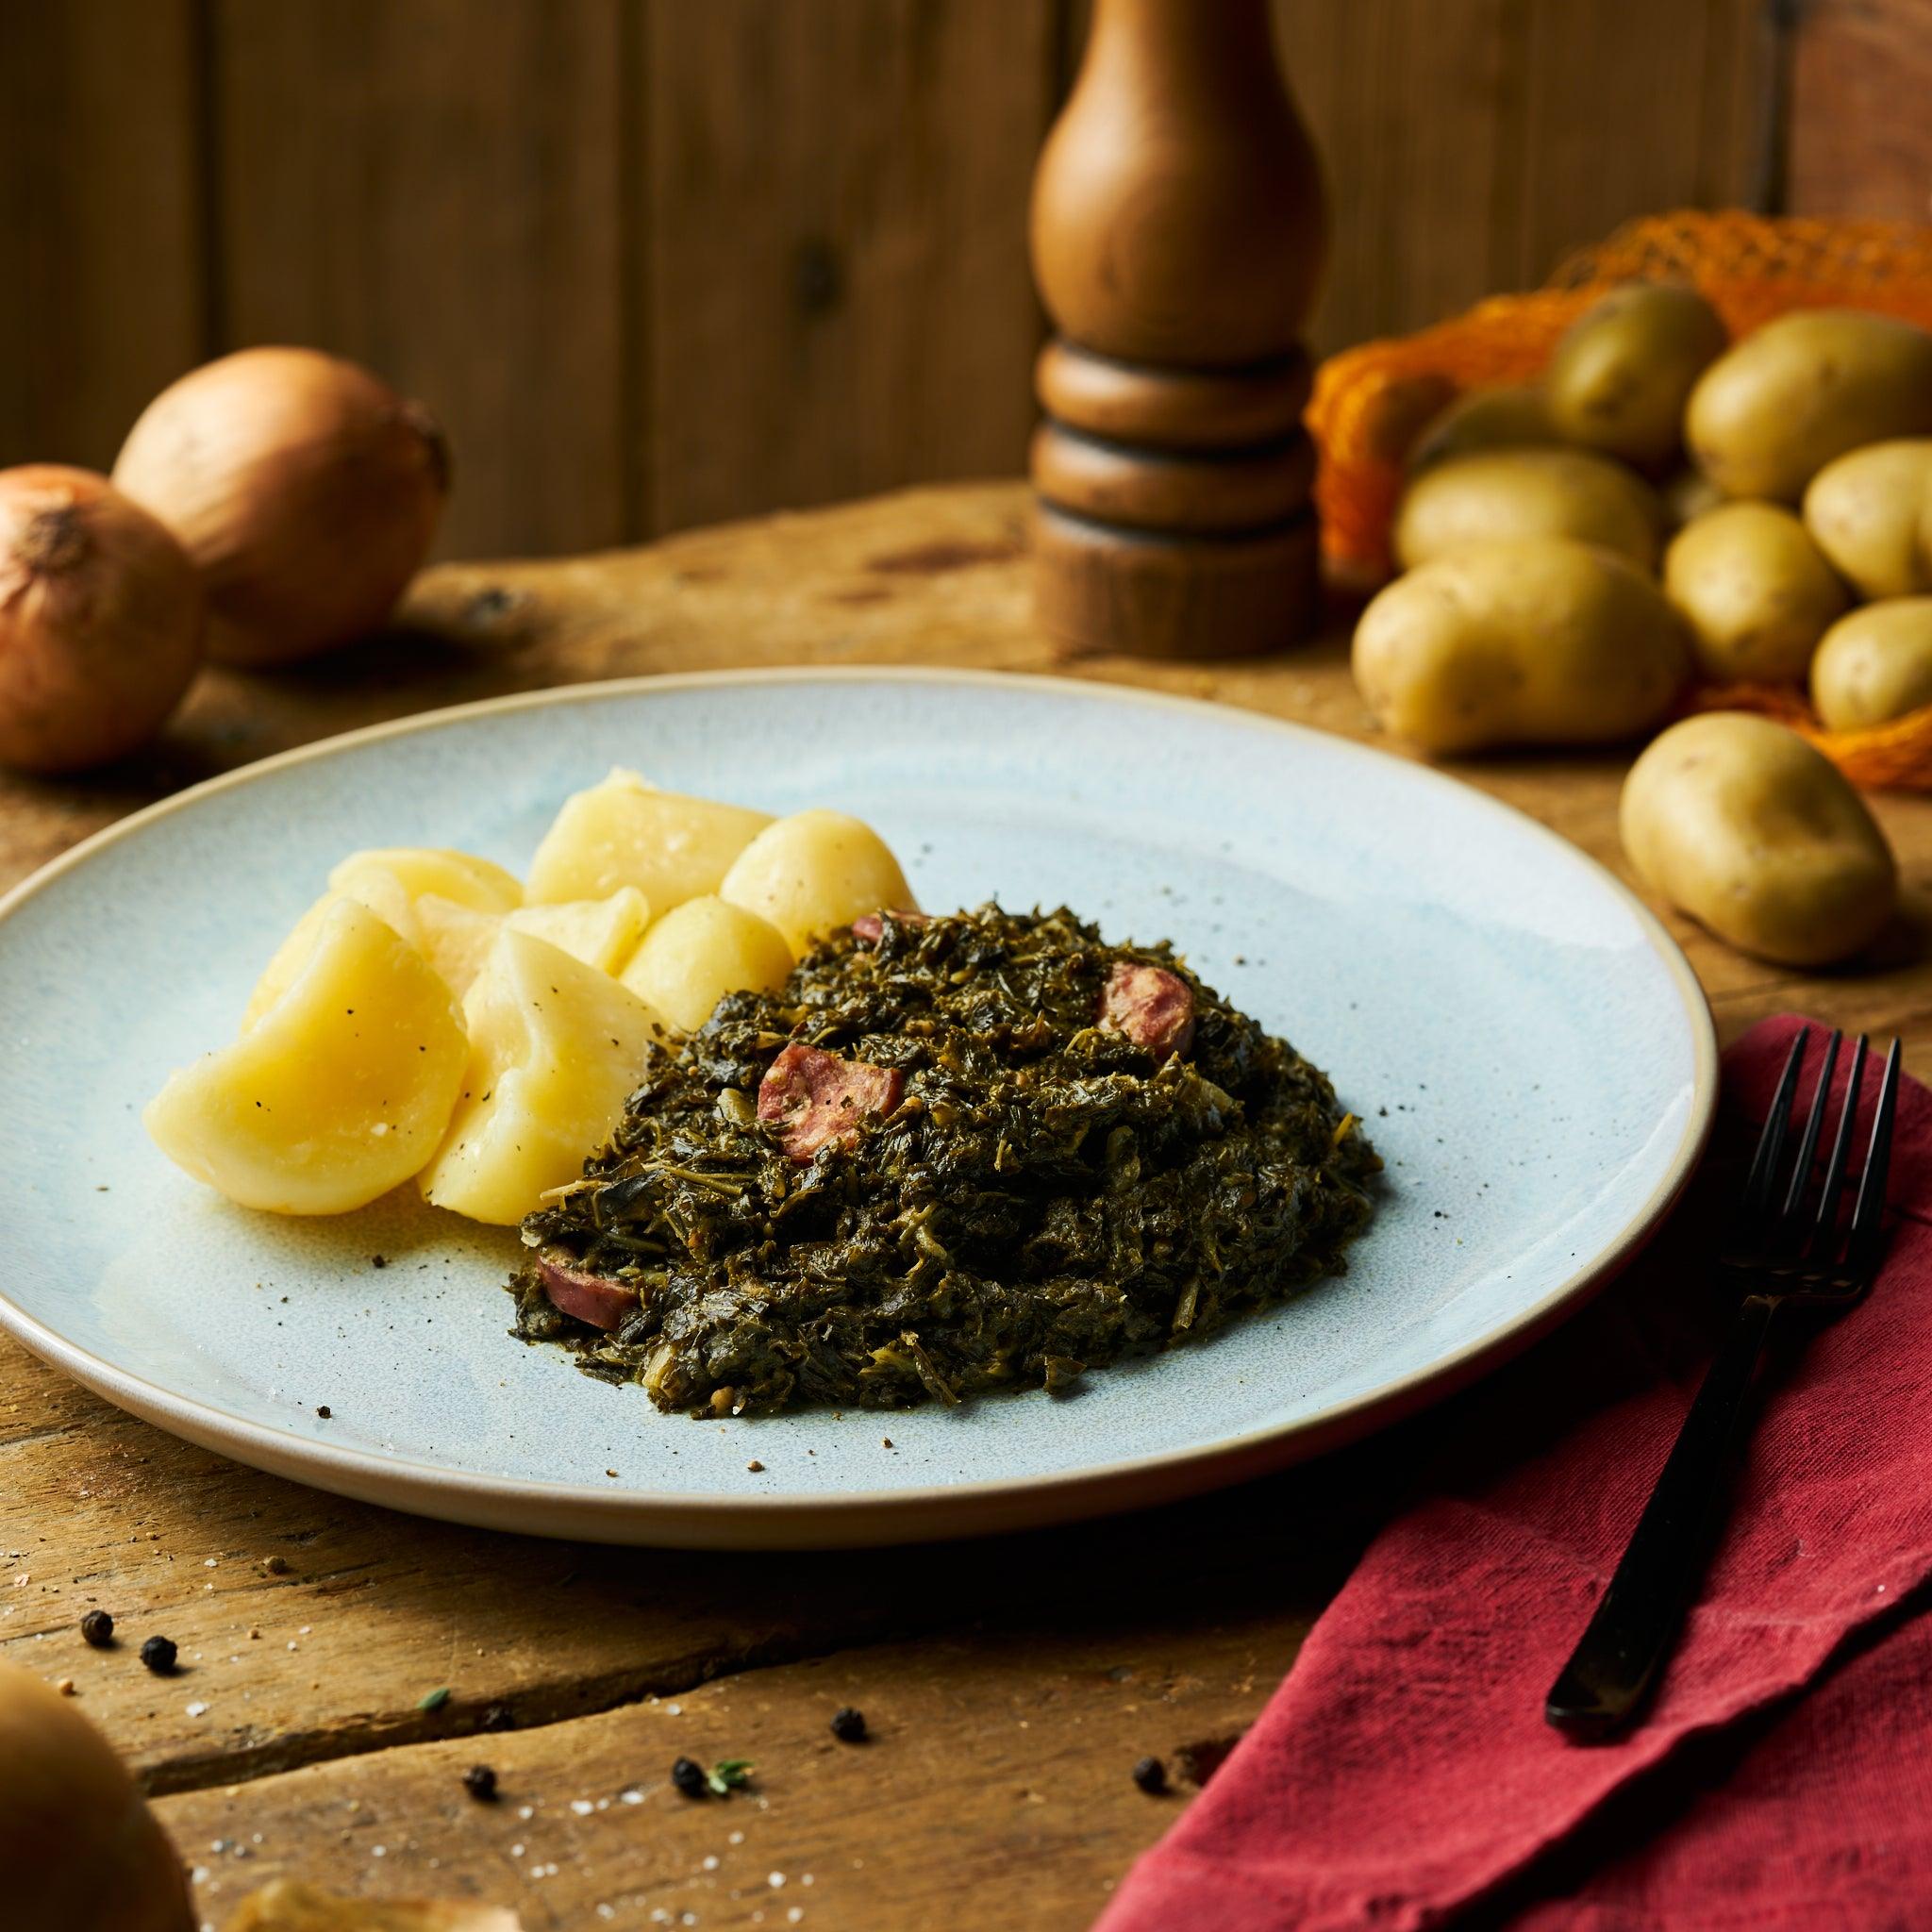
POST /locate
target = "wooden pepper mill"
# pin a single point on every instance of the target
(1180, 232)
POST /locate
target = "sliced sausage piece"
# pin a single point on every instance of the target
(871, 926)
(593, 1298)
(809, 1097)
(1154, 1007)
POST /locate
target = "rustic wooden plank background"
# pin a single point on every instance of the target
(658, 263)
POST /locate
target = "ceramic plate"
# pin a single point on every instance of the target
(1528, 1048)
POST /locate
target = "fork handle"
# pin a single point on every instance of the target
(1616, 1661)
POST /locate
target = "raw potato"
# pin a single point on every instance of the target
(1871, 513)
(603, 933)
(80, 1851)
(700, 951)
(1772, 411)
(625, 832)
(1623, 370)
(389, 882)
(1542, 641)
(815, 873)
(1510, 415)
(338, 1094)
(555, 1047)
(1505, 495)
(1760, 837)
(1874, 665)
(1754, 590)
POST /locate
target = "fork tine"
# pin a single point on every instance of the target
(1807, 1144)
(1771, 1141)
(1825, 1225)
(1862, 1245)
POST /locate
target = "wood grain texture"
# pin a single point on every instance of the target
(436, 190)
(1859, 141)
(1012, 1682)
(100, 187)
(1611, 113)
(832, 274)
(1028, 1734)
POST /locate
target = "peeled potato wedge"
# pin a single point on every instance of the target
(603, 933)
(814, 873)
(555, 1047)
(700, 951)
(625, 832)
(389, 882)
(341, 1090)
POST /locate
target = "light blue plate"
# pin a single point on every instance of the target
(1529, 1050)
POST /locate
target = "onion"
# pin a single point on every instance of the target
(306, 490)
(101, 619)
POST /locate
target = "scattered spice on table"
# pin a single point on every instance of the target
(1151, 1776)
(276, 1566)
(66, 1687)
(848, 1725)
(480, 1782)
(756, 1467)
(159, 1655)
(729, 1775)
(379, 1260)
(434, 1700)
(324, 1412)
(97, 1628)
(688, 1775)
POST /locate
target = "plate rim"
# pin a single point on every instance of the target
(868, 1516)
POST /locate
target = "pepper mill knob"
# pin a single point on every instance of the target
(1178, 234)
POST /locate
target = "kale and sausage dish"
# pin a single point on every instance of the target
(948, 1155)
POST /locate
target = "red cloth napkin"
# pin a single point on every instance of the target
(1403, 1774)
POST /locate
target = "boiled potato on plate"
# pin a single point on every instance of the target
(700, 951)
(338, 1091)
(627, 832)
(554, 1048)
(815, 873)
(1758, 835)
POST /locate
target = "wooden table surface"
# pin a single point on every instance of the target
(1010, 1686)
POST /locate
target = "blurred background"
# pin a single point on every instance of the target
(659, 262)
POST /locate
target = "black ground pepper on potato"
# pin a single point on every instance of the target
(1044, 1196)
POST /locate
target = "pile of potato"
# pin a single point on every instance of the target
(431, 1018)
(1668, 506)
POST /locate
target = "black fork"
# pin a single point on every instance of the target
(1779, 1251)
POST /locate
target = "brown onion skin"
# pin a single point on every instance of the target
(306, 490)
(102, 619)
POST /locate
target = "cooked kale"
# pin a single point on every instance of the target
(1044, 1196)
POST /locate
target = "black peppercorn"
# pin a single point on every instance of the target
(848, 1725)
(688, 1775)
(480, 1782)
(97, 1627)
(1151, 1776)
(159, 1655)
(322, 1410)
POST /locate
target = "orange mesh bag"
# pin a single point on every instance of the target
(1750, 267)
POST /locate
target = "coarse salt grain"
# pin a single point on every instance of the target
(774, 1880)
(526, 1811)
(197, 1709)
(711, 1861)
(582, 1807)
(378, 1851)
(631, 1797)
